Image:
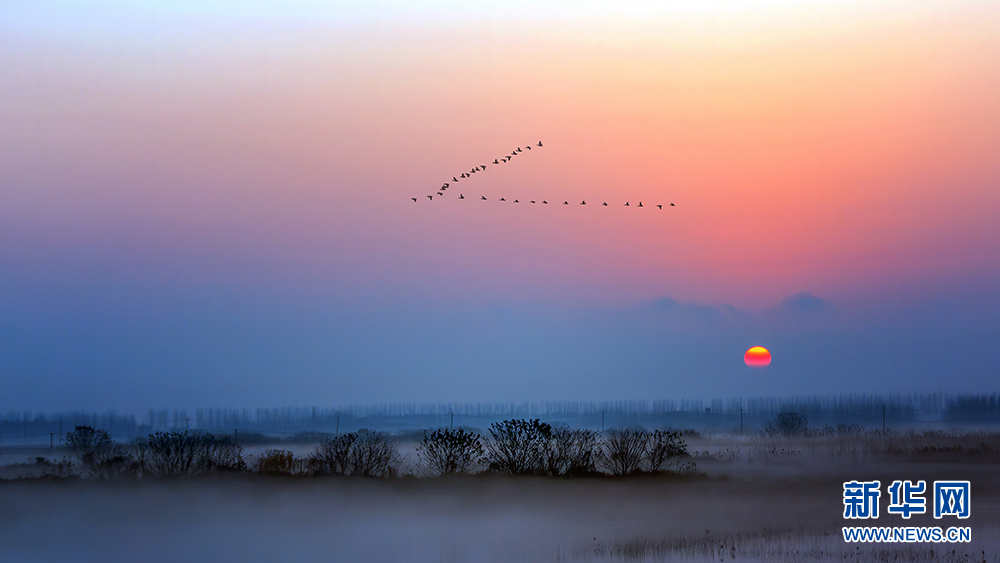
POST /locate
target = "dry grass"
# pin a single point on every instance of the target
(782, 546)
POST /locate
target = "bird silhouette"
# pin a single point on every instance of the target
(484, 198)
(482, 166)
(565, 203)
(430, 197)
(519, 149)
(584, 202)
(464, 175)
(414, 199)
(460, 196)
(605, 204)
(660, 206)
(513, 153)
(454, 179)
(440, 193)
(671, 205)
(640, 204)
(528, 147)
(626, 204)
(502, 199)
(515, 201)
(545, 202)
(532, 201)
(539, 143)
(495, 161)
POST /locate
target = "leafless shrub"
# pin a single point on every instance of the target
(365, 453)
(224, 454)
(573, 451)
(786, 424)
(519, 446)
(100, 456)
(333, 456)
(625, 450)
(451, 451)
(189, 452)
(86, 440)
(663, 447)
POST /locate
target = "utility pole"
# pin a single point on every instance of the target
(452, 421)
(60, 433)
(883, 418)
(741, 421)
(51, 439)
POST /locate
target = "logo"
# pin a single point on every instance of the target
(951, 498)
(861, 499)
(902, 500)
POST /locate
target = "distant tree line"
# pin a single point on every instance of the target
(298, 424)
(514, 446)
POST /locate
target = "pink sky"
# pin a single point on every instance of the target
(848, 150)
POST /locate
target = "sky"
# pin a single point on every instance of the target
(208, 203)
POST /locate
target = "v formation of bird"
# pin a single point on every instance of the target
(440, 192)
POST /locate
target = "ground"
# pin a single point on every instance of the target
(781, 507)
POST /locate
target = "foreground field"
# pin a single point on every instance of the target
(782, 509)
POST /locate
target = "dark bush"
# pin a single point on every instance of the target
(224, 454)
(100, 456)
(451, 451)
(662, 447)
(86, 440)
(189, 452)
(519, 446)
(333, 456)
(365, 453)
(573, 451)
(786, 424)
(625, 450)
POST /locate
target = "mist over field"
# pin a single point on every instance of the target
(767, 511)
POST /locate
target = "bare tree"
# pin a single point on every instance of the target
(573, 451)
(451, 451)
(100, 456)
(518, 446)
(333, 456)
(189, 452)
(625, 450)
(85, 440)
(375, 455)
(786, 424)
(365, 453)
(225, 454)
(662, 447)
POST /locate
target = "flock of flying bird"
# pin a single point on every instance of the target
(502, 160)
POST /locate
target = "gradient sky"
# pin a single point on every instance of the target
(207, 203)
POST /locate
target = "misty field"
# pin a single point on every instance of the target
(750, 499)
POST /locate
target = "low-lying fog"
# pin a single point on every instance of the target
(488, 518)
